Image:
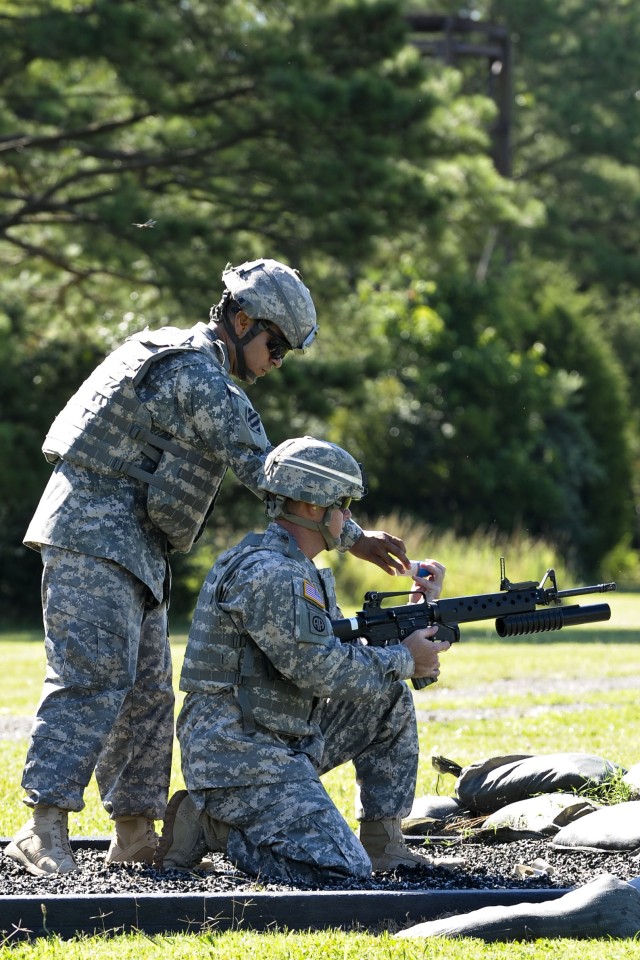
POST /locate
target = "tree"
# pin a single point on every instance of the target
(576, 127)
(496, 405)
(574, 143)
(223, 128)
(143, 144)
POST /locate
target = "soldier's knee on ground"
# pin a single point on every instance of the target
(313, 848)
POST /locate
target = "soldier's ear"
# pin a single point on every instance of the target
(306, 509)
(242, 322)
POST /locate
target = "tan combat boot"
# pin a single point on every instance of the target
(134, 840)
(187, 836)
(383, 841)
(42, 845)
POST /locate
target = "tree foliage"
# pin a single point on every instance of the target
(576, 127)
(466, 320)
(496, 405)
(236, 127)
(574, 135)
(239, 129)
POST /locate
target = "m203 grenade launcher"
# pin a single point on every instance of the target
(514, 609)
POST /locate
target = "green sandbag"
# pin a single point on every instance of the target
(540, 816)
(613, 829)
(606, 907)
(489, 784)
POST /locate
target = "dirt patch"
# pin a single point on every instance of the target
(19, 728)
(514, 688)
(15, 728)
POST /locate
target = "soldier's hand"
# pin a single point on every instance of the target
(431, 584)
(383, 549)
(425, 652)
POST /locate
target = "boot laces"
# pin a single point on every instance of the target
(58, 831)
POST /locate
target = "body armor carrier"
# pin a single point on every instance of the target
(220, 654)
(106, 428)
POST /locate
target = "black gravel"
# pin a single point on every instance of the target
(487, 866)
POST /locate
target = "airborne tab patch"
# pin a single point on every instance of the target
(311, 592)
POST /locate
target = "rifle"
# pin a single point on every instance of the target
(513, 609)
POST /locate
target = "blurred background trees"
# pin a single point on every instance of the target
(478, 329)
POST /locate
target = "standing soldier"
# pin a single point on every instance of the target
(140, 452)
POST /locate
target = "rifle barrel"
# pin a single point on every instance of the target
(580, 591)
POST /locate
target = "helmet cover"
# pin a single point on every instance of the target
(270, 290)
(314, 471)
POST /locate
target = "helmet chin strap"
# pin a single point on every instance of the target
(319, 526)
(240, 343)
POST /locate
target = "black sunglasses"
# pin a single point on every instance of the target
(277, 346)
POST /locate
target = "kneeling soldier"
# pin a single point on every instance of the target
(275, 700)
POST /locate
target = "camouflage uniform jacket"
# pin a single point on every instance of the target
(276, 605)
(189, 396)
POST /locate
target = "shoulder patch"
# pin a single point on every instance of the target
(253, 419)
(249, 428)
(311, 592)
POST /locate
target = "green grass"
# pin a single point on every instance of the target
(330, 945)
(508, 680)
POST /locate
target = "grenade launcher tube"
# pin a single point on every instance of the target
(380, 626)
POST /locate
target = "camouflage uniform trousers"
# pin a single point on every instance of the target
(107, 701)
(293, 831)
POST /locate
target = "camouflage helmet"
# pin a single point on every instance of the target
(269, 290)
(314, 471)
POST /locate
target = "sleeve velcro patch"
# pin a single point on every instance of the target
(311, 592)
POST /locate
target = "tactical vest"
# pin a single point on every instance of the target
(220, 655)
(106, 428)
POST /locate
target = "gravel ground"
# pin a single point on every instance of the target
(486, 866)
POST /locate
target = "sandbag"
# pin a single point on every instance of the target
(540, 816)
(490, 784)
(612, 829)
(632, 779)
(431, 813)
(605, 907)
